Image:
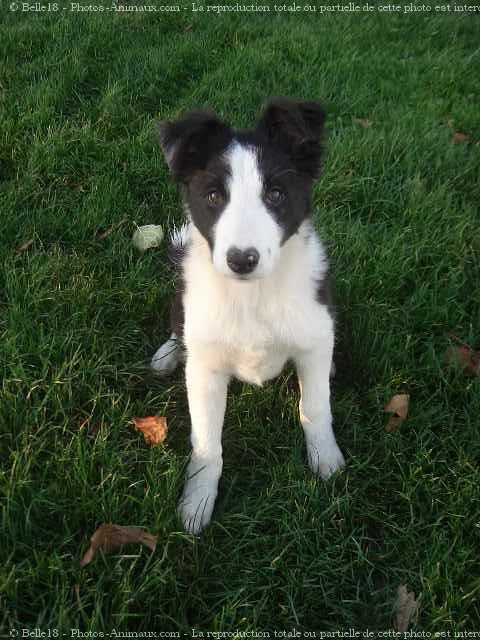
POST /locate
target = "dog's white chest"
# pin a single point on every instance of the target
(240, 339)
(249, 330)
(251, 339)
(258, 365)
(251, 364)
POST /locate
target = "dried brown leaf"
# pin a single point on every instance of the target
(153, 428)
(112, 537)
(405, 608)
(363, 122)
(460, 138)
(25, 246)
(398, 406)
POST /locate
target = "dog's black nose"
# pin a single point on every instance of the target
(242, 262)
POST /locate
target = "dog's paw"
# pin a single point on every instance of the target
(199, 494)
(167, 358)
(196, 510)
(325, 458)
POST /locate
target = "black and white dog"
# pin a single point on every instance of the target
(254, 279)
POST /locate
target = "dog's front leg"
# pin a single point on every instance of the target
(207, 396)
(313, 368)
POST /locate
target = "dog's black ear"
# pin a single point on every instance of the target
(189, 142)
(297, 128)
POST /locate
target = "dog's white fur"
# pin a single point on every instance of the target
(249, 329)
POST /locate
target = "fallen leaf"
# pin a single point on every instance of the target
(112, 537)
(25, 246)
(460, 138)
(363, 122)
(405, 608)
(153, 428)
(398, 406)
(101, 234)
(463, 356)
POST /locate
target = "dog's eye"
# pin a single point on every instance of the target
(214, 198)
(275, 196)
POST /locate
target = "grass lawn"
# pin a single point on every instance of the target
(80, 317)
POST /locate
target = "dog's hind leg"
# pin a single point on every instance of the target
(168, 357)
(171, 353)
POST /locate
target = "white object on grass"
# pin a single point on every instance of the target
(147, 236)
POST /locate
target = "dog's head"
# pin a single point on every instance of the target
(248, 191)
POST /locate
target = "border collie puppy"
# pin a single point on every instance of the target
(254, 272)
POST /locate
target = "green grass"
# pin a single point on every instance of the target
(79, 319)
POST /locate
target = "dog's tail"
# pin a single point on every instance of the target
(179, 238)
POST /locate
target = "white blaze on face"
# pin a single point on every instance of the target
(245, 222)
